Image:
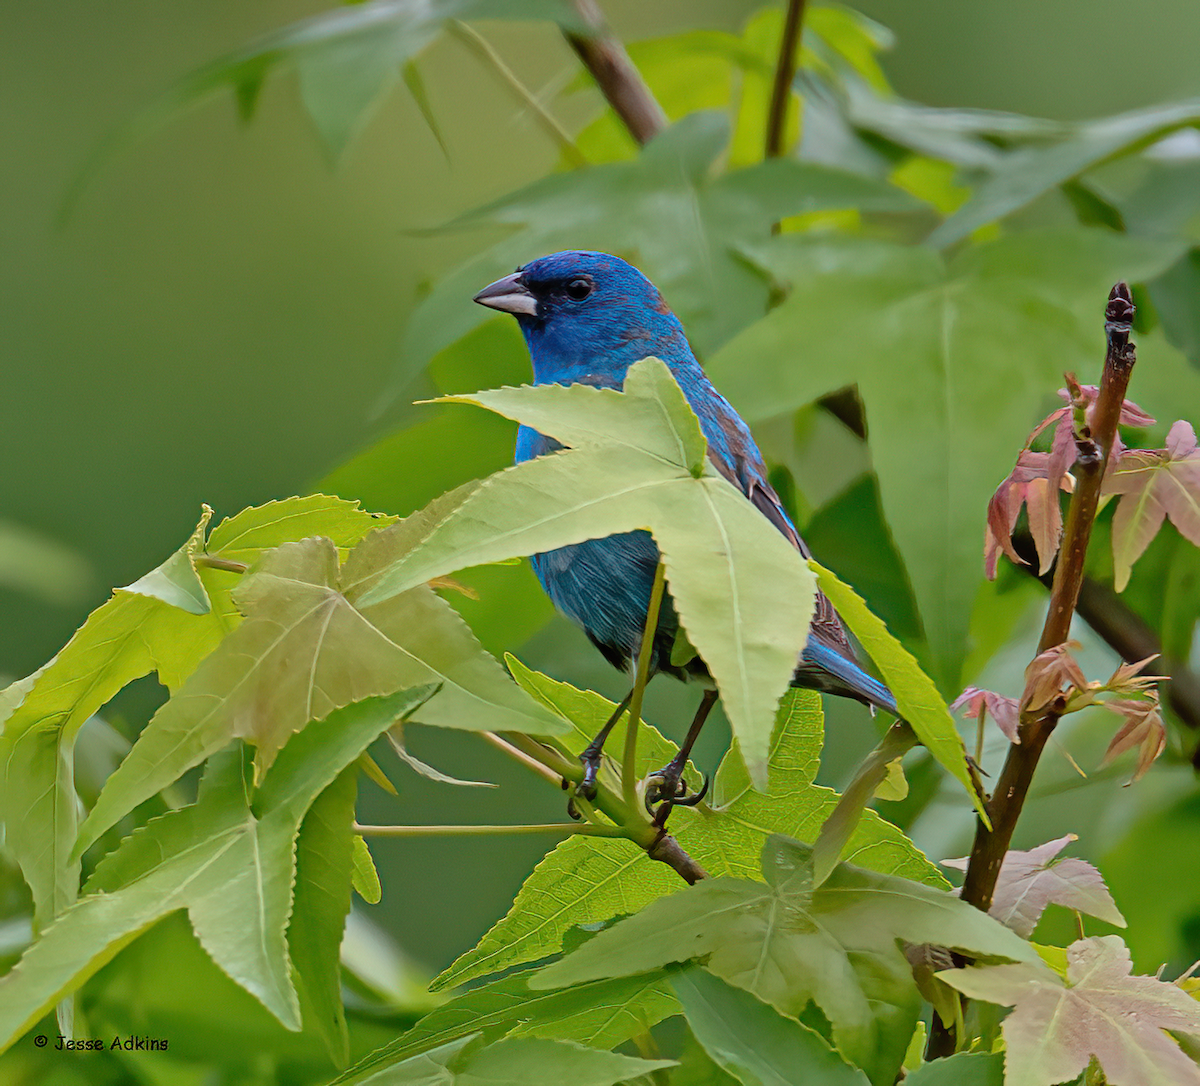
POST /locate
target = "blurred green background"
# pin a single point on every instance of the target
(218, 319)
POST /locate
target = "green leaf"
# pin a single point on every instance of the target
(933, 347)
(518, 1061)
(1025, 174)
(742, 592)
(964, 1069)
(650, 414)
(137, 631)
(228, 861)
(325, 859)
(247, 536)
(586, 880)
(307, 647)
(669, 211)
(346, 58)
(788, 943)
(365, 878)
(918, 699)
(752, 1040)
(600, 1015)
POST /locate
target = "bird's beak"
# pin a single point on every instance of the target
(509, 295)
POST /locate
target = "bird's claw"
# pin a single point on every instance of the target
(667, 789)
(586, 788)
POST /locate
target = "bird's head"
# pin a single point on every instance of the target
(587, 316)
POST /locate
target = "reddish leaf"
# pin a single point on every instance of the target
(1153, 484)
(1100, 1010)
(1126, 680)
(1051, 674)
(1131, 414)
(1029, 881)
(979, 703)
(1027, 485)
(1143, 728)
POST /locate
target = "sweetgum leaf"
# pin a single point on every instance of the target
(320, 904)
(585, 880)
(1100, 1010)
(916, 696)
(1025, 174)
(1154, 484)
(742, 592)
(789, 943)
(1031, 880)
(602, 1014)
(670, 211)
(933, 340)
(307, 647)
(754, 1042)
(963, 1069)
(140, 629)
(228, 859)
(518, 1061)
(346, 59)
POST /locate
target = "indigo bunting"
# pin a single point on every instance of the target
(587, 317)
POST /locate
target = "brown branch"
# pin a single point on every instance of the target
(659, 844)
(619, 81)
(1127, 633)
(1092, 449)
(785, 73)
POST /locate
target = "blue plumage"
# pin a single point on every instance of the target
(587, 317)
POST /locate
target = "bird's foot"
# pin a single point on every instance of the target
(586, 788)
(666, 789)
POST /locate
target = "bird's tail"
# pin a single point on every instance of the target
(824, 668)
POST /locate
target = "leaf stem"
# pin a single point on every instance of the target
(564, 829)
(228, 564)
(641, 678)
(785, 73)
(619, 81)
(1092, 449)
(482, 48)
(518, 755)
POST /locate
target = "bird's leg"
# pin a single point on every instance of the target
(586, 789)
(667, 787)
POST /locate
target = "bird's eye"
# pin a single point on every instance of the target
(579, 289)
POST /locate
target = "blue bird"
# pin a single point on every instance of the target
(587, 317)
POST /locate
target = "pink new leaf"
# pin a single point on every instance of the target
(1143, 728)
(1051, 674)
(1154, 484)
(1056, 1027)
(1131, 414)
(1126, 680)
(981, 702)
(1027, 484)
(1029, 881)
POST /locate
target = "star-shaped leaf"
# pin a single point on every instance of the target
(1154, 484)
(935, 340)
(670, 211)
(603, 1014)
(308, 646)
(585, 880)
(1029, 881)
(227, 860)
(518, 1061)
(979, 703)
(837, 945)
(754, 1042)
(1100, 1010)
(743, 593)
